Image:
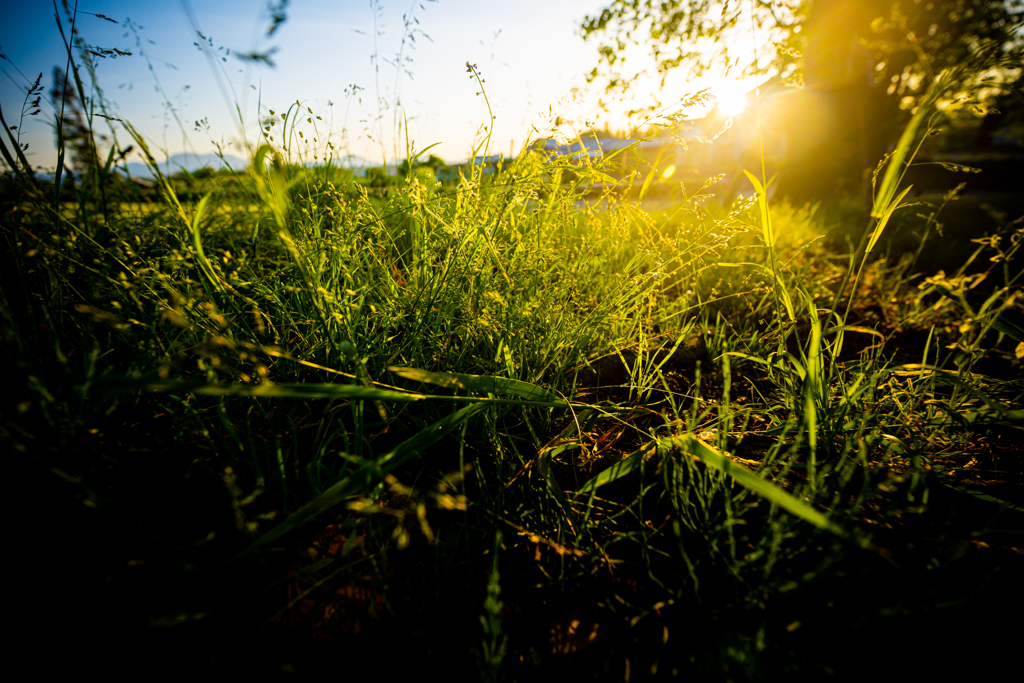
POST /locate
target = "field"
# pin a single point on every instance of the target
(507, 425)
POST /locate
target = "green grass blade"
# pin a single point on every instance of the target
(762, 203)
(895, 204)
(197, 244)
(420, 153)
(484, 384)
(761, 361)
(650, 176)
(767, 490)
(345, 391)
(975, 417)
(894, 171)
(630, 463)
(813, 393)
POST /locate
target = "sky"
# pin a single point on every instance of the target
(182, 98)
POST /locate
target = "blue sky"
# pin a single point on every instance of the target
(529, 52)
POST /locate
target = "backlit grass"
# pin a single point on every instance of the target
(504, 423)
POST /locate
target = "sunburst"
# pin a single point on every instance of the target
(730, 98)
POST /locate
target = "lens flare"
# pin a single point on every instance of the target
(668, 172)
(730, 99)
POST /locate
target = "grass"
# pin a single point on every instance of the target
(503, 426)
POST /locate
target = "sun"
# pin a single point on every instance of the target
(730, 98)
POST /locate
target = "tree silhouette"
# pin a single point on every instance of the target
(863, 64)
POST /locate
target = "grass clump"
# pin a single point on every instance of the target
(502, 424)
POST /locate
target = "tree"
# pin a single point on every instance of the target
(433, 162)
(863, 64)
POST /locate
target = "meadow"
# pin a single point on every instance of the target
(507, 425)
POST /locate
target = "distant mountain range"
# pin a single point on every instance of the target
(194, 162)
(190, 162)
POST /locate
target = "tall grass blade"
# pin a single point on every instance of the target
(484, 384)
(650, 176)
(813, 393)
(762, 203)
(767, 490)
(336, 391)
(630, 463)
(197, 244)
(884, 219)
(894, 170)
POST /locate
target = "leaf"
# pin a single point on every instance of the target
(695, 447)
(813, 392)
(885, 218)
(856, 328)
(976, 417)
(620, 469)
(650, 176)
(484, 384)
(197, 244)
(894, 170)
(349, 391)
(421, 152)
(746, 356)
(762, 201)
